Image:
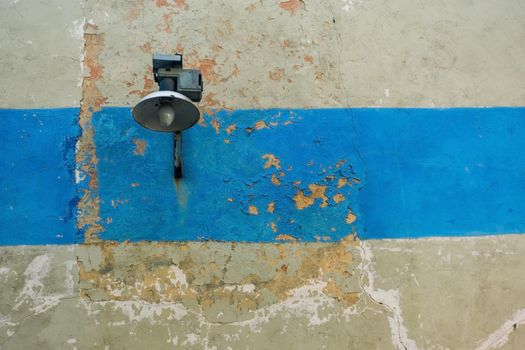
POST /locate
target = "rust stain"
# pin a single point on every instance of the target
(207, 106)
(261, 124)
(309, 59)
(350, 218)
(285, 237)
(148, 83)
(207, 67)
(271, 207)
(135, 11)
(216, 125)
(340, 163)
(166, 3)
(338, 198)
(271, 160)
(231, 128)
(252, 209)
(182, 4)
(166, 22)
(276, 74)
(275, 180)
(235, 70)
(291, 5)
(342, 181)
(273, 227)
(251, 8)
(88, 217)
(179, 48)
(146, 47)
(140, 147)
(303, 201)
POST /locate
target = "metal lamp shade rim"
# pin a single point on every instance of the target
(146, 111)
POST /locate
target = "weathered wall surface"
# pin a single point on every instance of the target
(80, 185)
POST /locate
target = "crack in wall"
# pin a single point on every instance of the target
(387, 299)
(500, 337)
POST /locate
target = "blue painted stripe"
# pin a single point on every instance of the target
(252, 175)
(37, 186)
(442, 172)
(413, 173)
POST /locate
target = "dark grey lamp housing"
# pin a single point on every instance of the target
(171, 109)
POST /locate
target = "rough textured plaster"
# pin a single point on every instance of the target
(41, 45)
(429, 294)
(265, 54)
(414, 294)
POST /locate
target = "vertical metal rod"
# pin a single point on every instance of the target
(177, 154)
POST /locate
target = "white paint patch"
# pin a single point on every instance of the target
(349, 5)
(191, 339)
(243, 288)
(387, 298)
(77, 32)
(305, 301)
(177, 277)
(33, 290)
(71, 341)
(69, 282)
(4, 270)
(77, 29)
(79, 175)
(501, 336)
(137, 311)
(246, 288)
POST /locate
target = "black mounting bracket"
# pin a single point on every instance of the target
(169, 74)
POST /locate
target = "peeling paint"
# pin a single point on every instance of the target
(303, 201)
(88, 218)
(291, 5)
(140, 147)
(179, 278)
(271, 161)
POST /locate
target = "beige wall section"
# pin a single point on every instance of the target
(41, 46)
(403, 294)
(261, 54)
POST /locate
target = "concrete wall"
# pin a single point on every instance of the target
(280, 234)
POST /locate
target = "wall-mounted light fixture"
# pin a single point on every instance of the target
(171, 109)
